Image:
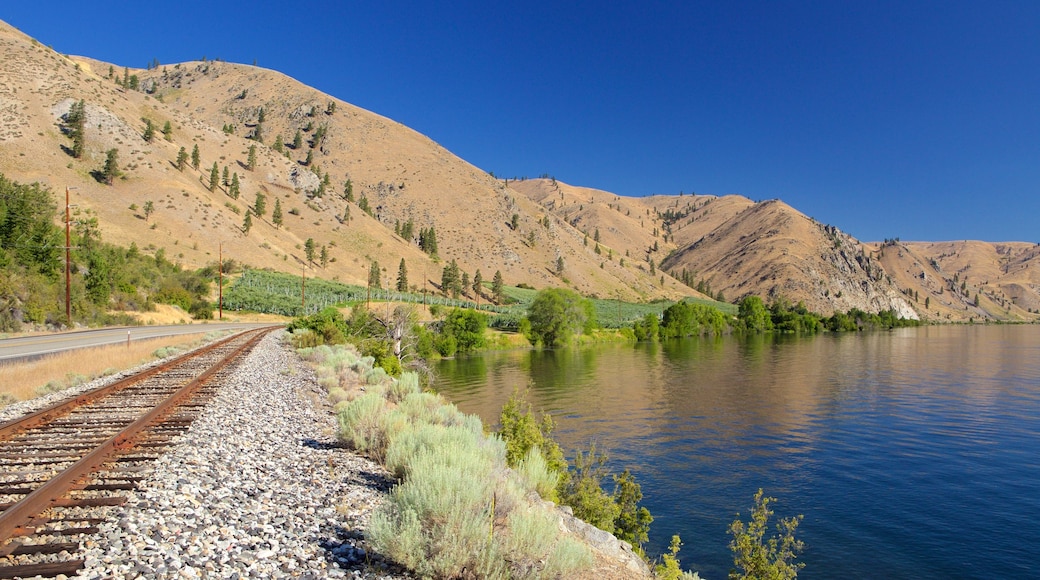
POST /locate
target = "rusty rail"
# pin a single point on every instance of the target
(22, 518)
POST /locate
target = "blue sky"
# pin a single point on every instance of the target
(917, 120)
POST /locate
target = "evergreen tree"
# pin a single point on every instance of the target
(149, 130)
(431, 241)
(260, 205)
(559, 266)
(308, 249)
(182, 159)
(451, 279)
(478, 283)
(247, 224)
(363, 204)
(111, 168)
(75, 126)
(235, 188)
(402, 277)
(277, 144)
(348, 191)
(373, 275)
(276, 215)
(498, 290)
(309, 159)
(225, 178)
(214, 177)
(167, 131)
(251, 161)
(261, 116)
(324, 256)
(297, 142)
(195, 159)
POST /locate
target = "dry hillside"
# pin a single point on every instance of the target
(526, 229)
(216, 106)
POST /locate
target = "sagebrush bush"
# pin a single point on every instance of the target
(360, 423)
(458, 511)
(407, 384)
(536, 475)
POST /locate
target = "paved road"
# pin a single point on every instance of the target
(28, 347)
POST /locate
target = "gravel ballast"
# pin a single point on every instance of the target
(258, 487)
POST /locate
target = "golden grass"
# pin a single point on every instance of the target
(23, 379)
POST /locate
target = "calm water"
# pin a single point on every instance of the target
(912, 454)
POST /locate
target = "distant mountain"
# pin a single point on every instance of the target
(526, 229)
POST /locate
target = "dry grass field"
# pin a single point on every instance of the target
(25, 380)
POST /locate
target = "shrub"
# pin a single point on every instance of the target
(773, 559)
(360, 423)
(669, 568)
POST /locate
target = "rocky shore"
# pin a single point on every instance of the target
(260, 487)
(257, 488)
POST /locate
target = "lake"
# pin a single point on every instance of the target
(912, 453)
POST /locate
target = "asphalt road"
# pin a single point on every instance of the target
(29, 347)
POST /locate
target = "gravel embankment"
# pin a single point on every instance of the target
(257, 488)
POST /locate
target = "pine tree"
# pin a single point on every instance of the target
(348, 191)
(260, 205)
(478, 283)
(297, 141)
(214, 177)
(111, 168)
(276, 215)
(308, 249)
(247, 224)
(373, 275)
(277, 144)
(225, 178)
(195, 159)
(235, 186)
(149, 130)
(75, 123)
(251, 161)
(182, 159)
(167, 131)
(498, 290)
(402, 277)
(309, 159)
(324, 256)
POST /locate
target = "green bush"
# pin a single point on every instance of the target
(773, 559)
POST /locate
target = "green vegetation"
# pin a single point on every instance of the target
(775, 558)
(107, 280)
(528, 441)
(556, 314)
(457, 512)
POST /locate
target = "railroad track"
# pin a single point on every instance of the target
(63, 466)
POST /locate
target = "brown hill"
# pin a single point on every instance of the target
(215, 106)
(526, 229)
(944, 278)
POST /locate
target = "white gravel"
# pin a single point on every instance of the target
(258, 487)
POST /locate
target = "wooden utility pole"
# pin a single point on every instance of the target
(68, 259)
(220, 283)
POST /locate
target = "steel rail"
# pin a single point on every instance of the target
(18, 519)
(62, 408)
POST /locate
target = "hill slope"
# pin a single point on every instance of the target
(539, 232)
(215, 106)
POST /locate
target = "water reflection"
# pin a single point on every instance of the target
(912, 443)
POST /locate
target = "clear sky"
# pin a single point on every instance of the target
(917, 120)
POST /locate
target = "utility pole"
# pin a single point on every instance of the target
(220, 277)
(68, 260)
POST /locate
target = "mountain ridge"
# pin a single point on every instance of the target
(646, 245)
